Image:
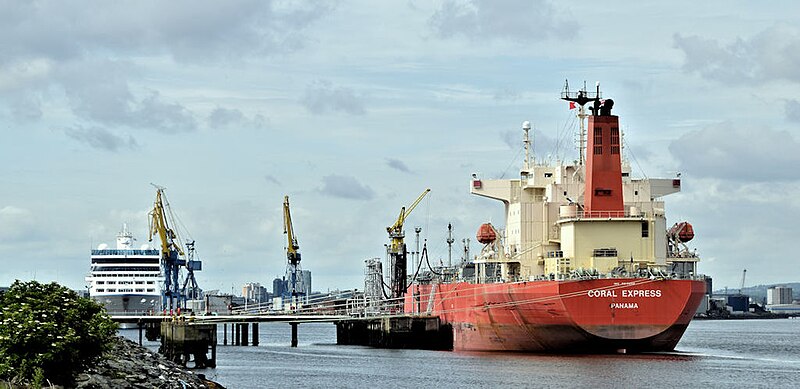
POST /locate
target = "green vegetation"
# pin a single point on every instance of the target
(48, 332)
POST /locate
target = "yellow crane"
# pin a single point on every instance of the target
(172, 255)
(292, 251)
(397, 249)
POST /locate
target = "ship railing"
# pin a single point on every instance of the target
(609, 214)
(125, 252)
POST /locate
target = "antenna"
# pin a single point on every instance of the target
(450, 241)
(581, 97)
(526, 126)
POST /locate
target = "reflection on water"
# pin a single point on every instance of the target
(733, 353)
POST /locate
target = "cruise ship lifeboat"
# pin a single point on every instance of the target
(486, 233)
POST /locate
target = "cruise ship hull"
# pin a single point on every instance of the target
(591, 316)
(130, 304)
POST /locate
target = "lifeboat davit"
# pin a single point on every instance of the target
(486, 233)
(683, 231)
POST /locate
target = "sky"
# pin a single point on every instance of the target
(353, 108)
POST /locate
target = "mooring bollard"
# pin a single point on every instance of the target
(294, 334)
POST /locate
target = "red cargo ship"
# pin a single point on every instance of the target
(585, 262)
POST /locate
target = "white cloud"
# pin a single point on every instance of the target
(772, 54)
(322, 96)
(516, 20)
(734, 152)
(100, 138)
(346, 187)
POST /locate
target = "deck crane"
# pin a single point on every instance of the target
(172, 256)
(397, 249)
(293, 270)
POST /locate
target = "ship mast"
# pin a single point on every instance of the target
(581, 97)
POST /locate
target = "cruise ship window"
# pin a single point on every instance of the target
(101, 290)
(645, 229)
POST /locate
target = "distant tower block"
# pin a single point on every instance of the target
(603, 192)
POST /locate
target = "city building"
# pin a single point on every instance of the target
(278, 287)
(779, 295)
(253, 291)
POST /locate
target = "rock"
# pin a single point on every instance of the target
(128, 365)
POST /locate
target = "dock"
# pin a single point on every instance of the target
(398, 332)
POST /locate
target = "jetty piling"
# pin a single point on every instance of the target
(184, 341)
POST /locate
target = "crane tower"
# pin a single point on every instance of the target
(173, 296)
(293, 271)
(397, 251)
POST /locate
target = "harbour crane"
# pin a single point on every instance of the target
(293, 270)
(741, 287)
(397, 249)
(172, 255)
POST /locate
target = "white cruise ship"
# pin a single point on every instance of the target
(126, 280)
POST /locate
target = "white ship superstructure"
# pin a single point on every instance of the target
(124, 279)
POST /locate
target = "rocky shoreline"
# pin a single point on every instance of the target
(128, 365)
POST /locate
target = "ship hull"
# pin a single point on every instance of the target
(592, 316)
(129, 304)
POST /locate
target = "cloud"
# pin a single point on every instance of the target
(773, 54)
(101, 139)
(272, 179)
(184, 29)
(234, 118)
(322, 96)
(516, 20)
(26, 107)
(346, 187)
(17, 224)
(99, 91)
(728, 152)
(397, 164)
(506, 94)
(792, 109)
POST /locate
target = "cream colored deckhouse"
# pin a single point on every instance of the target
(549, 235)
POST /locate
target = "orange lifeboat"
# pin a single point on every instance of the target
(486, 233)
(683, 231)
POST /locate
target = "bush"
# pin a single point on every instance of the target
(48, 332)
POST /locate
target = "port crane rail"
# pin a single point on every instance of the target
(173, 257)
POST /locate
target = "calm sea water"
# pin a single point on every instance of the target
(716, 354)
